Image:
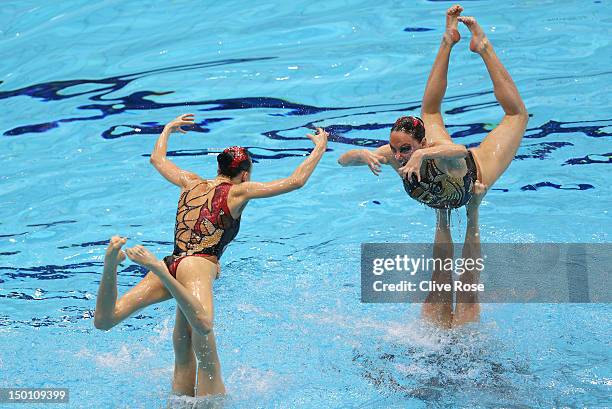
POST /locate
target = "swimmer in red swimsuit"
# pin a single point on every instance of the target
(207, 219)
(444, 175)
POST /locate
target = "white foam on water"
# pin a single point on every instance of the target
(415, 333)
(410, 332)
(411, 370)
(125, 359)
(250, 308)
(188, 402)
(163, 331)
(249, 381)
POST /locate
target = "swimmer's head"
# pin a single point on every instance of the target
(235, 162)
(407, 136)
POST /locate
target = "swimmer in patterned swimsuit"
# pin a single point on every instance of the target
(207, 219)
(444, 175)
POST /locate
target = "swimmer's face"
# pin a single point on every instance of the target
(403, 146)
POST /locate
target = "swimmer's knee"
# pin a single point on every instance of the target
(519, 117)
(204, 326)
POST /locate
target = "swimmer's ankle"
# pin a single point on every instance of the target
(486, 48)
(450, 39)
(111, 263)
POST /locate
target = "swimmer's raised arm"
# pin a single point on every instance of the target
(447, 150)
(358, 157)
(448, 155)
(164, 166)
(255, 190)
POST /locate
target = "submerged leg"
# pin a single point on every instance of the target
(192, 290)
(198, 275)
(183, 382)
(210, 380)
(467, 308)
(437, 307)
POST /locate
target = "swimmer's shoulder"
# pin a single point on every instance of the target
(196, 182)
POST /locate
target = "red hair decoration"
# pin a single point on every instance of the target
(399, 120)
(415, 121)
(239, 155)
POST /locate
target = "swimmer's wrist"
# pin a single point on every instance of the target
(420, 155)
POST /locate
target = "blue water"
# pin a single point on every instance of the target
(85, 89)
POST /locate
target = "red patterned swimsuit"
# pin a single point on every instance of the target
(204, 225)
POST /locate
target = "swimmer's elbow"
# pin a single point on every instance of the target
(296, 183)
(155, 161)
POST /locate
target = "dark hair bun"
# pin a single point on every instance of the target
(412, 125)
(224, 160)
(234, 160)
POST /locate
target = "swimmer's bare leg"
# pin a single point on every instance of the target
(109, 310)
(210, 380)
(185, 366)
(499, 147)
(198, 316)
(467, 308)
(437, 82)
(437, 307)
(194, 298)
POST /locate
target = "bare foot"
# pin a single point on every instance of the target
(140, 255)
(479, 42)
(114, 255)
(452, 36)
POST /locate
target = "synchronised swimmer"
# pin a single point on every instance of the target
(433, 169)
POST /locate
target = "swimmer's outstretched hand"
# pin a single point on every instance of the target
(114, 255)
(140, 255)
(412, 167)
(183, 120)
(320, 139)
(373, 161)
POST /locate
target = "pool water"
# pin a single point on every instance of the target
(87, 86)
